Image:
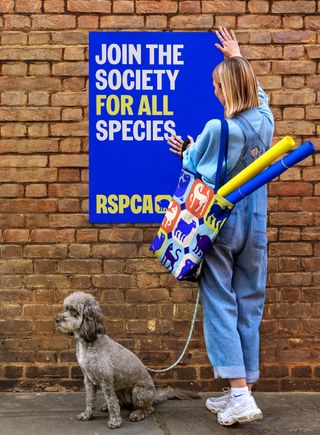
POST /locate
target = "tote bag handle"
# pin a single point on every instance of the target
(223, 155)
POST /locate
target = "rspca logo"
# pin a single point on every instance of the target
(137, 204)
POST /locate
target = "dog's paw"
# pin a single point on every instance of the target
(84, 416)
(136, 415)
(104, 408)
(114, 422)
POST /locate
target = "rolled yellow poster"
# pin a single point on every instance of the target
(257, 166)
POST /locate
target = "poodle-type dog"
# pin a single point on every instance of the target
(108, 365)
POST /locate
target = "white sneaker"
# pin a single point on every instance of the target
(242, 411)
(216, 404)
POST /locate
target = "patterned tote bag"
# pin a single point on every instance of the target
(193, 219)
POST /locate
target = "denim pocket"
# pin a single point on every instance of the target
(259, 231)
(226, 234)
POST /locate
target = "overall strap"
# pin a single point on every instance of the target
(247, 124)
(223, 153)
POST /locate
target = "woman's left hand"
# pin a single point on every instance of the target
(175, 142)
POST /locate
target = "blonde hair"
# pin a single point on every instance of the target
(238, 84)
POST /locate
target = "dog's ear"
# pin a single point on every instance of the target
(92, 322)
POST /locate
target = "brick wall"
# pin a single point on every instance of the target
(48, 249)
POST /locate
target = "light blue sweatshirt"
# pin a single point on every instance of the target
(202, 155)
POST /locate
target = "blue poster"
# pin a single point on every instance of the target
(143, 87)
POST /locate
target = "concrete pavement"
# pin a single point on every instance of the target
(55, 414)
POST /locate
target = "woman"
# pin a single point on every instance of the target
(233, 277)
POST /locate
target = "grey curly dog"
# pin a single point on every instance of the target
(107, 365)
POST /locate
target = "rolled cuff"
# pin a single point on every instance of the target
(252, 375)
(236, 372)
(229, 372)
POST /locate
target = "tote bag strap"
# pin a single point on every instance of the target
(223, 154)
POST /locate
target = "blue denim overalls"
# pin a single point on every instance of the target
(234, 273)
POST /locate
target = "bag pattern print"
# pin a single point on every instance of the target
(193, 219)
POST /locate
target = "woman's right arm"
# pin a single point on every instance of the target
(264, 104)
(231, 49)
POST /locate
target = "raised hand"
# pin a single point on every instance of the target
(230, 44)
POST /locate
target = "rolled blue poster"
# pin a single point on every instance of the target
(273, 171)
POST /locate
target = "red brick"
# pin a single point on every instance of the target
(46, 235)
(260, 37)
(47, 372)
(301, 371)
(289, 7)
(53, 22)
(310, 174)
(79, 266)
(228, 21)
(290, 189)
(88, 22)
(293, 22)
(191, 22)
(122, 6)
(121, 22)
(11, 190)
(289, 234)
(294, 37)
(186, 7)
(313, 52)
(46, 281)
(289, 279)
(27, 205)
(17, 22)
(261, 52)
(40, 310)
(121, 235)
(13, 372)
(293, 51)
(236, 7)
(54, 6)
(69, 38)
(155, 7)
(14, 38)
(302, 218)
(152, 295)
(28, 6)
(293, 97)
(114, 250)
(30, 83)
(290, 294)
(252, 21)
(295, 249)
(15, 235)
(311, 204)
(292, 113)
(295, 128)
(11, 327)
(258, 6)
(69, 175)
(311, 233)
(87, 235)
(89, 6)
(312, 22)
(293, 67)
(6, 6)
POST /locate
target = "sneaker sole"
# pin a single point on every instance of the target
(243, 419)
(215, 410)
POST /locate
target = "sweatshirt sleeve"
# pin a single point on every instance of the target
(204, 148)
(264, 104)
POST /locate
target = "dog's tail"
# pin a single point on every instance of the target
(163, 394)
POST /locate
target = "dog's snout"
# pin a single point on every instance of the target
(59, 318)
